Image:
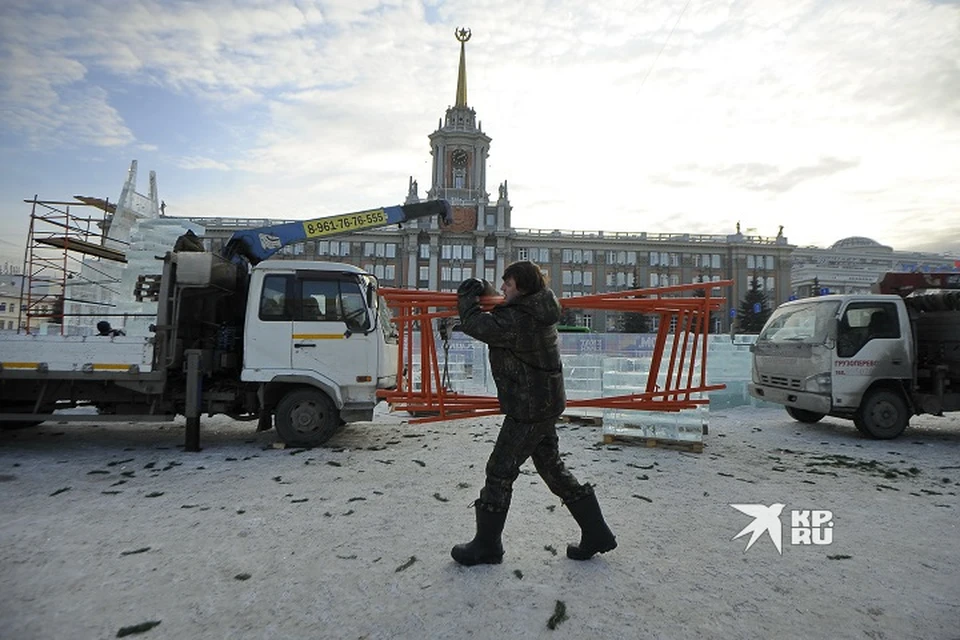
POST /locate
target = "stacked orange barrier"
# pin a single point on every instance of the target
(415, 310)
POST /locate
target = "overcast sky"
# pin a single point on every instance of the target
(832, 118)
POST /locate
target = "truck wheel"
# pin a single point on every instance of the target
(306, 417)
(802, 415)
(883, 414)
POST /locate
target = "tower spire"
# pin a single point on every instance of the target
(462, 35)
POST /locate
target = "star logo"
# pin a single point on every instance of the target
(270, 241)
(765, 520)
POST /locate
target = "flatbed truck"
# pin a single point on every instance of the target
(876, 359)
(300, 345)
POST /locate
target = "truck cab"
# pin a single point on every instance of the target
(319, 341)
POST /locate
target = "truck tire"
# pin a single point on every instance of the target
(802, 415)
(306, 417)
(859, 424)
(883, 414)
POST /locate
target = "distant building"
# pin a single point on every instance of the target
(851, 265)
(10, 269)
(9, 302)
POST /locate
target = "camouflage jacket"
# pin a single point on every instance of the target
(521, 336)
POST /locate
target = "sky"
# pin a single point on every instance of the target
(833, 118)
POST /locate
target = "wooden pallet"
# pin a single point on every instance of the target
(678, 445)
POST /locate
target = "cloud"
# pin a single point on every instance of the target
(763, 177)
(43, 97)
(215, 50)
(193, 162)
(822, 117)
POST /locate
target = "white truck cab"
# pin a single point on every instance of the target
(320, 325)
(851, 356)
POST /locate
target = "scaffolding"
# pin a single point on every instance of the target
(65, 254)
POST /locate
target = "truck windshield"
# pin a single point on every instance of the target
(800, 323)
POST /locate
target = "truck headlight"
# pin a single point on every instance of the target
(819, 383)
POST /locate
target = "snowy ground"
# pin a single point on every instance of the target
(108, 526)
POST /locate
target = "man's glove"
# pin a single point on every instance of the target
(470, 287)
(488, 290)
(476, 287)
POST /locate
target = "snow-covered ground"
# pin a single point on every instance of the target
(107, 526)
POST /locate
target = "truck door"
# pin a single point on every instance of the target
(331, 332)
(870, 346)
(267, 343)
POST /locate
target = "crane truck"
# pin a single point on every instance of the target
(299, 345)
(877, 359)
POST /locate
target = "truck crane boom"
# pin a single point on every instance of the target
(256, 245)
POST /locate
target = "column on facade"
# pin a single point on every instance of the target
(434, 261)
(503, 251)
(478, 254)
(478, 170)
(737, 273)
(413, 252)
(784, 288)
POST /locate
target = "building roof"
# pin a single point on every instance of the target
(858, 242)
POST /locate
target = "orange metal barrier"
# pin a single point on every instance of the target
(415, 311)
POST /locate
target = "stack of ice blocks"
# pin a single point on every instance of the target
(623, 376)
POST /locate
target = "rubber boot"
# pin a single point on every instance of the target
(486, 547)
(595, 535)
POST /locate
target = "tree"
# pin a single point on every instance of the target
(569, 318)
(754, 308)
(634, 323)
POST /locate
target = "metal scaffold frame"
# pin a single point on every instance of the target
(55, 238)
(681, 341)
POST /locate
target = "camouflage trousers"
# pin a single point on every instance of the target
(517, 442)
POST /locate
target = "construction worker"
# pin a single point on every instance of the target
(521, 335)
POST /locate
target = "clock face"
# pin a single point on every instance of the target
(459, 158)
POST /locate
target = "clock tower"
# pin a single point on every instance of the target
(460, 149)
(477, 242)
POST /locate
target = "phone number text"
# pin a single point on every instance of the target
(348, 222)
